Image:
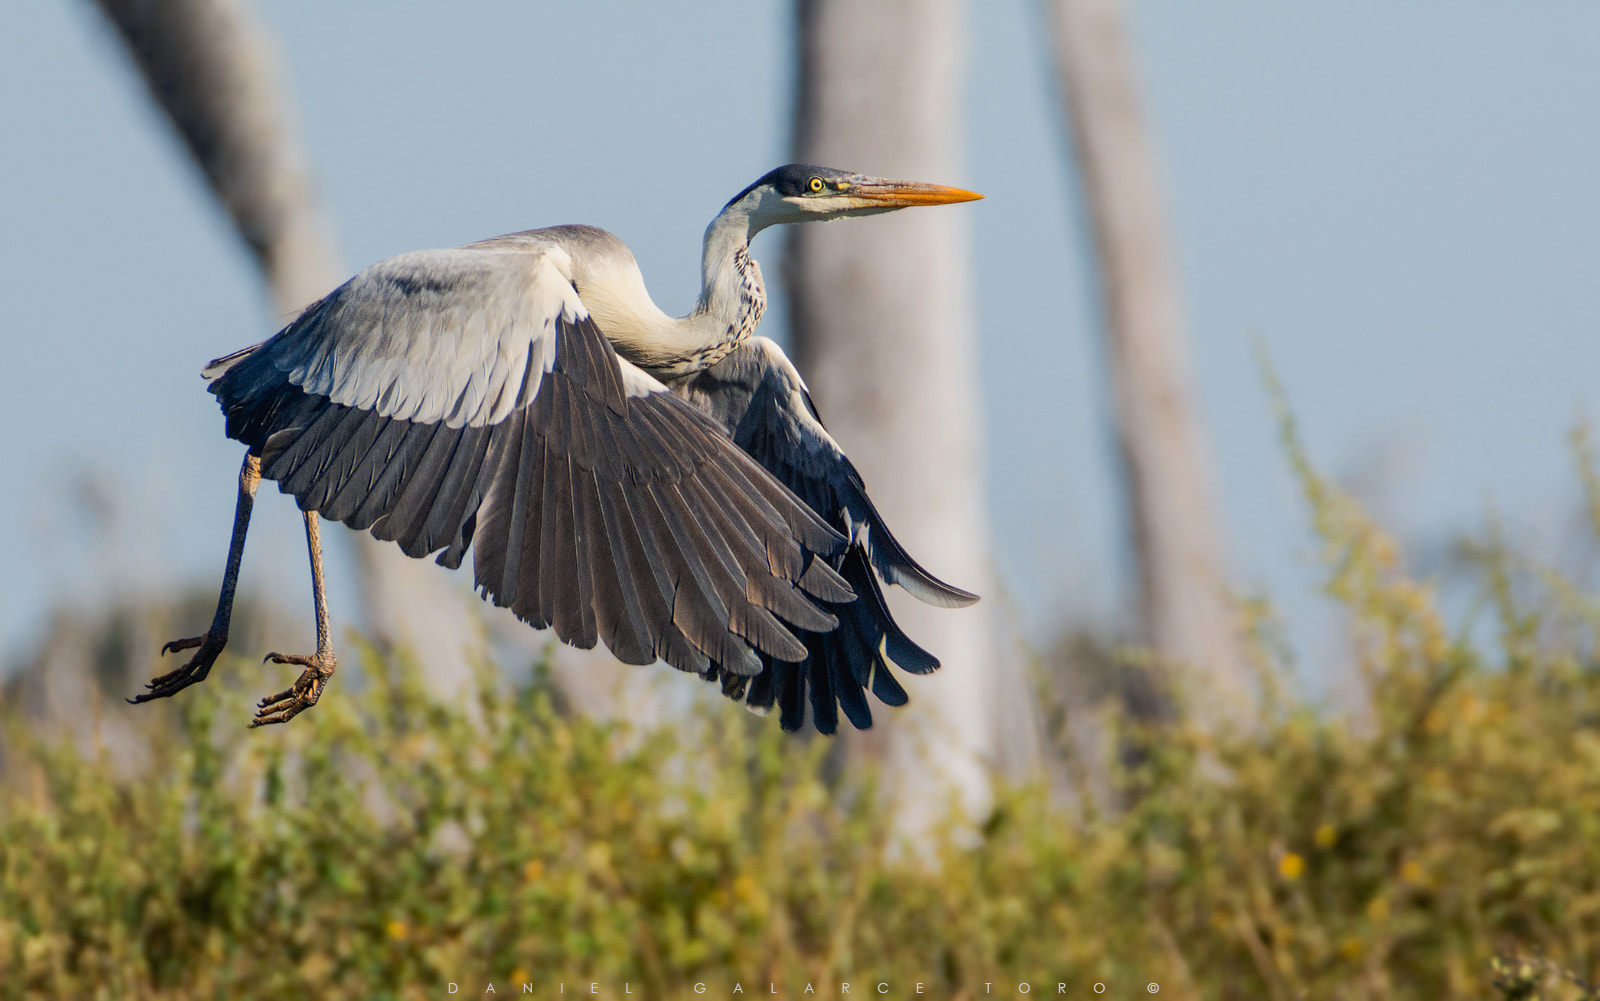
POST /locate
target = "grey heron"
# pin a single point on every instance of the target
(663, 485)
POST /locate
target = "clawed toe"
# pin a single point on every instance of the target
(279, 708)
(302, 695)
(192, 672)
(188, 644)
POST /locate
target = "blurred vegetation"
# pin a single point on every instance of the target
(1441, 841)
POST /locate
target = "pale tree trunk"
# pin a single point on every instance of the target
(1185, 608)
(882, 323)
(210, 66)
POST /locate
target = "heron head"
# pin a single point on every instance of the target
(800, 192)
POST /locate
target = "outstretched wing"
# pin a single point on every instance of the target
(466, 397)
(756, 394)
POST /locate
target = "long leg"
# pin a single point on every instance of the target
(214, 639)
(319, 667)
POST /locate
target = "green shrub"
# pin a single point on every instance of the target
(383, 845)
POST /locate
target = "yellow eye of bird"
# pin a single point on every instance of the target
(816, 185)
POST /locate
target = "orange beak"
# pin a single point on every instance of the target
(900, 194)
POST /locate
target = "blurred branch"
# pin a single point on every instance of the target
(1185, 609)
(209, 67)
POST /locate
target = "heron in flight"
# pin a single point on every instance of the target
(663, 485)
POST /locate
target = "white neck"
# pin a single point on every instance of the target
(732, 299)
(728, 236)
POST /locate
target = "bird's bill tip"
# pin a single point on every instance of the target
(903, 194)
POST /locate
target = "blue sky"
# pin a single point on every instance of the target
(1397, 200)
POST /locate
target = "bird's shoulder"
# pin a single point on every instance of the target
(580, 253)
(576, 240)
(497, 264)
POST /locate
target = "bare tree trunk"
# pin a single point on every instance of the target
(882, 325)
(210, 66)
(1185, 609)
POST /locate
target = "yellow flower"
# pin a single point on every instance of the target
(1378, 910)
(744, 887)
(519, 976)
(533, 870)
(398, 930)
(1291, 866)
(1411, 871)
(1326, 835)
(1350, 948)
(1384, 552)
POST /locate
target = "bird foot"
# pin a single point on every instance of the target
(303, 694)
(192, 672)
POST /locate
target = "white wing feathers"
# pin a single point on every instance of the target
(461, 337)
